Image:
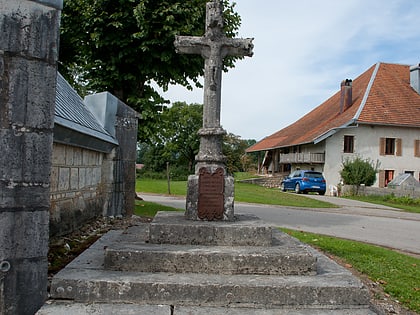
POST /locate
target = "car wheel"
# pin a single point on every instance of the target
(297, 189)
(282, 188)
(322, 193)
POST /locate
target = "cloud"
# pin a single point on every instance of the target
(303, 50)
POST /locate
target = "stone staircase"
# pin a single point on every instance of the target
(174, 266)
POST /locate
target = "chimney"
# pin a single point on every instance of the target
(346, 97)
(415, 77)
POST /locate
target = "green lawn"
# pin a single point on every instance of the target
(404, 203)
(399, 274)
(243, 193)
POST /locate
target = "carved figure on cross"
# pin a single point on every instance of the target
(210, 194)
(214, 46)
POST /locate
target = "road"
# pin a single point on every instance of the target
(353, 220)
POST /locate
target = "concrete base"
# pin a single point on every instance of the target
(246, 230)
(86, 280)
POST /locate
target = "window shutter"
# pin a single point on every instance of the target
(398, 147)
(381, 179)
(417, 148)
(382, 142)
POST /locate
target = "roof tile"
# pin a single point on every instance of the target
(391, 101)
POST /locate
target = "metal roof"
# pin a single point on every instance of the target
(73, 114)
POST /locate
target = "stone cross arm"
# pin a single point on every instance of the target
(205, 46)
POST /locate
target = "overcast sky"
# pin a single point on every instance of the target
(303, 50)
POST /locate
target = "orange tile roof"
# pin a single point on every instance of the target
(382, 95)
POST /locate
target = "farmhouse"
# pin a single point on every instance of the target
(375, 116)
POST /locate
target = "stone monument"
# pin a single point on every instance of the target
(211, 190)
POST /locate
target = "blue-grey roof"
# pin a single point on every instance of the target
(72, 113)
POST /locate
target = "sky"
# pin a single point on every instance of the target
(303, 49)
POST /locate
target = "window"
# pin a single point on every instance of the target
(389, 175)
(385, 176)
(390, 146)
(348, 144)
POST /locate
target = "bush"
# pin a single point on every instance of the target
(357, 172)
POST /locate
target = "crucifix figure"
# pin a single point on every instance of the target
(210, 190)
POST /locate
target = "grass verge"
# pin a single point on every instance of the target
(404, 203)
(397, 273)
(243, 193)
(149, 209)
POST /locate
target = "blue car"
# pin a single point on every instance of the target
(302, 181)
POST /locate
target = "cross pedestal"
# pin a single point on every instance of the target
(210, 194)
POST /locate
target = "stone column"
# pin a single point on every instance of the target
(28, 57)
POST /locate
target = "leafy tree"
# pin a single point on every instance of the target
(234, 150)
(121, 46)
(178, 132)
(177, 142)
(358, 171)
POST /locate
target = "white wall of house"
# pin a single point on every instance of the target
(367, 145)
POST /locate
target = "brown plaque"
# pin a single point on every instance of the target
(211, 188)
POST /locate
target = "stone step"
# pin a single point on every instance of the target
(210, 260)
(170, 227)
(285, 257)
(332, 290)
(332, 287)
(102, 286)
(71, 308)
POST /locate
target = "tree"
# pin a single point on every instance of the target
(121, 46)
(358, 171)
(178, 131)
(234, 150)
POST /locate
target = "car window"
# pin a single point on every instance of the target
(313, 175)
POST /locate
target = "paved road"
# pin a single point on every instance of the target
(353, 220)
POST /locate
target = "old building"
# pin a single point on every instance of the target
(93, 159)
(375, 116)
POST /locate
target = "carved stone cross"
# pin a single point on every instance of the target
(214, 46)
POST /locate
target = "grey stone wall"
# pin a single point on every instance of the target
(28, 56)
(80, 187)
(271, 182)
(400, 192)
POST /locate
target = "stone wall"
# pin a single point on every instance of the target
(271, 182)
(400, 192)
(28, 69)
(80, 187)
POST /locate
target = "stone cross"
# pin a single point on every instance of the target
(214, 46)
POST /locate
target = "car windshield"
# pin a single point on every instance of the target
(313, 174)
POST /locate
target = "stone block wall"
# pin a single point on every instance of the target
(270, 182)
(80, 187)
(28, 60)
(376, 191)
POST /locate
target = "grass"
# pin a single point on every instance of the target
(399, 274)
(149, 209)
(273, 196)
(160, 186)
(404, 203)
(243, 193)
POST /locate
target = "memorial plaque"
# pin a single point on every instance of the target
(211, 194)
